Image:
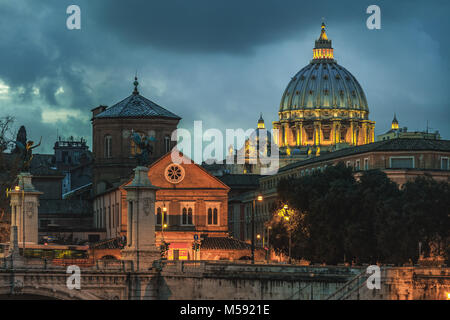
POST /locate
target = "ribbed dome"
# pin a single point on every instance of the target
(323, 84)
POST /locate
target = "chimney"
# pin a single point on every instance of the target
(98, 110)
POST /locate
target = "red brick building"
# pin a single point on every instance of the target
(190, 204)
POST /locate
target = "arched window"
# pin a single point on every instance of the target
(167, 143)
(210, 216)
(161, 217)
(190, 216)
(158, 216)
(186, 216)
(108, 146)
(215, 216)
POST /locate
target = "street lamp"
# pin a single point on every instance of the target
(260, 199)
(164, 225)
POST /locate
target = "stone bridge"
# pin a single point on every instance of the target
(34, 278)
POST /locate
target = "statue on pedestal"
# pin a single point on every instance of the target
(144, 144)
(24, 149)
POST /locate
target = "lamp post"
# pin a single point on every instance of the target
(268, 243)
(259, 198)
(163, 224)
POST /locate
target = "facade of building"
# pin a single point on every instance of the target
(74, 159)
(323, 108)
(191, 206)
(401, 159)
(114, 150)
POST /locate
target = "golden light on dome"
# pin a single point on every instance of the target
(323, 53)
(322, 106)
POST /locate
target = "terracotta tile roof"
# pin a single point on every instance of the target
(223, 243)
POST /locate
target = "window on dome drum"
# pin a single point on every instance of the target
(357, 165)
(445, 163)
(366, 164)
(401, 162)
(309, 133)
(186, 217)
(326, 133)
(108, 146)
(213, 216)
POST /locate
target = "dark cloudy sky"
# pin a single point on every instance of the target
(219, 61)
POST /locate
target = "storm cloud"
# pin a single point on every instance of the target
(222, 62)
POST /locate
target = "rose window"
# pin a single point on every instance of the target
(174, 173)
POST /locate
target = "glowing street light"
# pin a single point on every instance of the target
(260, 199)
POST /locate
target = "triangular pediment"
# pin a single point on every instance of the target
(180, 172)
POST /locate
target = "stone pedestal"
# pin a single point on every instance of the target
(141, 196)
(24, 209)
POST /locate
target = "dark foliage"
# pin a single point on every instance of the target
(337, 218)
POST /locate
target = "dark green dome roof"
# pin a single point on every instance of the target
(323, 85)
